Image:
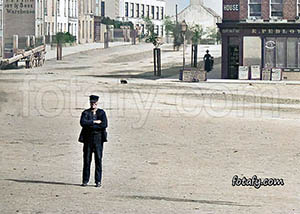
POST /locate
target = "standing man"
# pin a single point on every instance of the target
(93, 135)
(208, 61)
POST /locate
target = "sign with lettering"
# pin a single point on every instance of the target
(243, 72)
(231, 9)
(19, 18)
(262, 31)
(255, 72)
(276, 74)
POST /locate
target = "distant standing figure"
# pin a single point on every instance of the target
(208, 61)
(93, 135)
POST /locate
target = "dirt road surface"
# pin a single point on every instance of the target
(173, 147)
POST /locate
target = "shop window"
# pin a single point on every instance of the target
(280, 52)
(276, 8)
(292, 44)
(255, 8)
(269, 49)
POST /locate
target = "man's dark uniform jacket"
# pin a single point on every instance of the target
(89, 128)
(93, 136)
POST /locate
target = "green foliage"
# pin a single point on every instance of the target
(117, 24)
(214, 34)
(151, 36)
(197, 32)
(177, 35)
(62, 38)
(169, 25)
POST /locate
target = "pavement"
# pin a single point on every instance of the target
(51, 52)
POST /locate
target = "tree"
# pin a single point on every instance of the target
(214, 34)
(62, 38)
(178, 37)
(151, 36)
(169, 26)
(197, 33)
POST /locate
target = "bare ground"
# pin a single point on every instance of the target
(173, 147)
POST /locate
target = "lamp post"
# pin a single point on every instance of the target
(183, 31)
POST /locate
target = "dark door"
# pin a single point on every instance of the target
(97, 32)
(233, 62)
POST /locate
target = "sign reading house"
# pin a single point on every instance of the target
(231, 9)
(18, 18)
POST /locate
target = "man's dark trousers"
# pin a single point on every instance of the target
(94, 145)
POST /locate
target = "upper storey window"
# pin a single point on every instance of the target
(255, 8)
(276, 8)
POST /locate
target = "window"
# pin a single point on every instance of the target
(91, 27)
(143, 10)
(126, 9)
(83, 29)
(292, 52)
(152, 12)
(157, 12)
(65, 8)
(254, 8)
(69, 9)
(148, 11)
(162, 13)
(137, 10)
(162, 31)
(102, 8)
(52, 7)
(75, 11)
(132, 9)
(157, 30)
(46, 8)
(282, 52)
(58, 7)
(277, 8)
(298, 8)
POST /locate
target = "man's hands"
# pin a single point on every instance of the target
(97, 121)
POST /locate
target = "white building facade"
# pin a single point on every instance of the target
(73, 17)
(136, 10)
(197, 13)
(61, 16)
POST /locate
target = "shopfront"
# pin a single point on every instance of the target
(269, 45)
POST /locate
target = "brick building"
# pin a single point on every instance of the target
(261, 32)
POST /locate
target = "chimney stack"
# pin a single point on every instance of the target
(196, 2)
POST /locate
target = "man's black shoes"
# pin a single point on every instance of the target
(98, 184)
(83, 184)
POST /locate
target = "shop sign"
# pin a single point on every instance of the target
(270, 45)
(275, 31)
(231, 8)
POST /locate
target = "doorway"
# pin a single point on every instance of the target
(233, 61)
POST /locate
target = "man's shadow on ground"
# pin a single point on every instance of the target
(42, 182)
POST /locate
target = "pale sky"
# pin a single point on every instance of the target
(216, 5)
